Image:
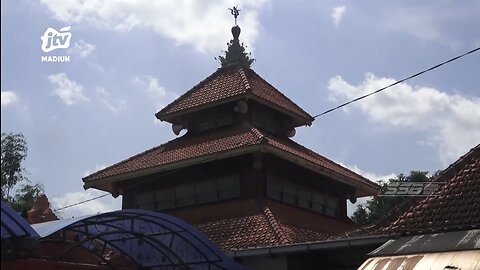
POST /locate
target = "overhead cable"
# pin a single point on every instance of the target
(397, 82)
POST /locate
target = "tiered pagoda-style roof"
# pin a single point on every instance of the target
(233, 83)
(234, 141)
(236, 174)
(230, 84)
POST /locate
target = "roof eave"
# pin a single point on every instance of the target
(300, 119)
(309, 246)
(170, 117)
(303, 120)
(166, 167)
(364, 188)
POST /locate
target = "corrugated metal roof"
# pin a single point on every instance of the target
(457, 260)
(439, 242)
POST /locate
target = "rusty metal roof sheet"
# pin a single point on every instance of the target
(457, 260)
(439, 242)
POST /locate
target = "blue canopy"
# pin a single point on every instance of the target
(15, 226)
(18, 237)
(149, 239)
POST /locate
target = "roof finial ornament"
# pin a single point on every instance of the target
(235, 12)
(235, 54)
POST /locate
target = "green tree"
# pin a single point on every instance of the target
(360, 215)
(25, 196)
(14, 151)
(377, 207)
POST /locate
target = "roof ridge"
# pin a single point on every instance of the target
(245, 81)
(262, 135)
(198, 85)
(399, 223)
(280, 92)
(447, 172)
(232, 83)
(276, 227)
(258, 133)
(317, 155)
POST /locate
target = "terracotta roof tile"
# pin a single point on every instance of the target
(228, 83)
(187, 147)
(307, 154)
(270, 94)
(283, 239)
(453, 207)
(180, 149)
(239, 232)
(256, 230)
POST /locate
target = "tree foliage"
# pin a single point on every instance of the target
(377, 207)
(25, 197)
(14, 151)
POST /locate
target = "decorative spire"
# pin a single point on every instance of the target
(235, 54)
(235, 12)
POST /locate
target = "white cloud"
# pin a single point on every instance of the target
(375, 177)
(203, 25)
(83, 48)
(8, 98)
(337, 14)
(427, 23)
(105, 99)
(97, 168)
(104, 204)
(451, 123)
(156, 93)
(70, 92)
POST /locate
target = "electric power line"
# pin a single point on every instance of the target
(81, 202)
(330, 110)
(395, 83)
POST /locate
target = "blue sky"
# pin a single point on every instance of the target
(128, 59)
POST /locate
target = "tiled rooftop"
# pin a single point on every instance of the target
(229, 83)
(224, 141)
(456, 206)
(256, 230)
(180, 149)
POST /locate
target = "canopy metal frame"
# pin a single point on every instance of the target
(150, 240)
